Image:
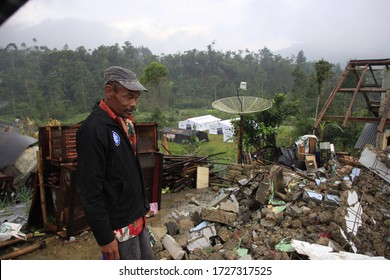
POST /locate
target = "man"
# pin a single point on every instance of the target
(110, 178)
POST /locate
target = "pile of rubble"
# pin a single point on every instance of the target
(272, 212)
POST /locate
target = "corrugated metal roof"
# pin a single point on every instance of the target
(12, 145)
(368, 135)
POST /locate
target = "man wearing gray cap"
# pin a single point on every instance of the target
(110, 176)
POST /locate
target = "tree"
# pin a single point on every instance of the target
(301, 59)
(261, 129)
(154, 74)
(323, 72)
(325, 125)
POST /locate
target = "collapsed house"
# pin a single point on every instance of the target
(270, 212)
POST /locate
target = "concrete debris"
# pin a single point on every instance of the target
(373, 159)
(200, 242)
(174, 249)
(345, 216)
(320, 252)
(219, 216)
(230, 205)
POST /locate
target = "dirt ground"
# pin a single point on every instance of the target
(84, 247)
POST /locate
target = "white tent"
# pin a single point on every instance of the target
(224, 127)
(201, 123)
(215, 128)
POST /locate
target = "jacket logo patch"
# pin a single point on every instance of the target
(117, 139)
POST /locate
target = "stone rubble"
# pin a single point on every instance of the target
(268, 206)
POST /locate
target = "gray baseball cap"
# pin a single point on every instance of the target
(123, 76)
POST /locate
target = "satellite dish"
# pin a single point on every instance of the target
(242, 104)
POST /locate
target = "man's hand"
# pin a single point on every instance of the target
(111, 250)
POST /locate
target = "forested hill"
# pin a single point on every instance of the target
(36, 81)
(42, 83)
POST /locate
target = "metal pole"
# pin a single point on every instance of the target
(239, 157)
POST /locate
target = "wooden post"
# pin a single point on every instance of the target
(24, 251)
(41, 186)
(14, 240)
(165, 143)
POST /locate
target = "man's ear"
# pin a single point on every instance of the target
(108, 91)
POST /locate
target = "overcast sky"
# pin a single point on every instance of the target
(335, 30)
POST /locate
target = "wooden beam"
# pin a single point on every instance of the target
(24, 251)
(385, 112)
(331, 97)
(356, 119)
(364, 89)
(349, 112)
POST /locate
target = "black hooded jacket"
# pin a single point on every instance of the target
(110, 176)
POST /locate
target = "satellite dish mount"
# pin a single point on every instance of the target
(241, 105)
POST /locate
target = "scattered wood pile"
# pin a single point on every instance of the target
(180, 172)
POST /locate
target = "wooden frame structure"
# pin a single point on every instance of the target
(367, 74)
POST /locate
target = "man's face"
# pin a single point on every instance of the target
(123, 102)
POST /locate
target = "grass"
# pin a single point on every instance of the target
(20, 195)
(227, 151)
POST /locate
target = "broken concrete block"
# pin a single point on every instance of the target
(208, 232)
(224, 234)
(255, 236)
(296, 223)
(369, 158)
(332, 199)
(201, 242)
(309, 195)
(276, 174)
(163, 255)
(194, 201)
(294, 210)
(173, 227)
(158, 231)
(256, 216)
(243, 182)
(186, 224)
(218, 199)
(268, 223)
(248, 191)
(274, 180)
(174, 249)
(263, 191)
(219, 216)
(217, 247)
(182, 238)
(230, 255)
(230, 206)
(286, 222)
(178, 215)
(200, 226)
